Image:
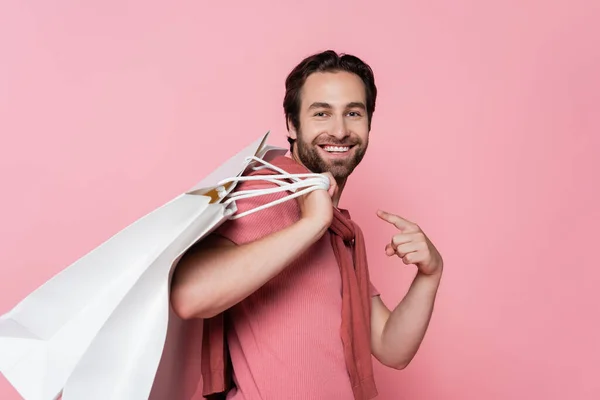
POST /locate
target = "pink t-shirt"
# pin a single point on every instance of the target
(284, 339)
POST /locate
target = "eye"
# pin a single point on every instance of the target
(354, 114)
(320, 114)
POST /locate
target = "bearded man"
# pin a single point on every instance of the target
(285, 294)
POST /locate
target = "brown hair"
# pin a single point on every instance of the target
(327, 61)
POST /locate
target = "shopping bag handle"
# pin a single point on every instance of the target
(301, 184)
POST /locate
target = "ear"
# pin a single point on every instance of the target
(292, 129)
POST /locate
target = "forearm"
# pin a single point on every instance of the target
(406, 327)
(209, 281)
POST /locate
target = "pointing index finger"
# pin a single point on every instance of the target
(395, 220)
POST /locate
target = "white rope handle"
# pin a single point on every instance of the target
(301, 184)
(291, 187)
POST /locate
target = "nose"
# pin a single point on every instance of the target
(339, 130)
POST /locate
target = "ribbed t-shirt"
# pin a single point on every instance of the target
(284, 339)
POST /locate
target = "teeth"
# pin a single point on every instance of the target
(336, 149)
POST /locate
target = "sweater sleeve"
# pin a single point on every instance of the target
(373, 290)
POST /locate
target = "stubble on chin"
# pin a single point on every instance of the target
(340, 169)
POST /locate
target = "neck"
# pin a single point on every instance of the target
(337, 194)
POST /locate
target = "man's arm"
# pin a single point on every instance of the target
(216, 274)
(396, 336)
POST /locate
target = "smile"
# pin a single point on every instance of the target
(336, 149)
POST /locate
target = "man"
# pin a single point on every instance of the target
(279, 278)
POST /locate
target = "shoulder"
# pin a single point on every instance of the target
(265, 221)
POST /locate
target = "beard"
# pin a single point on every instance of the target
(310, 156)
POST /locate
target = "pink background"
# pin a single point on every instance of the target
(486, 133)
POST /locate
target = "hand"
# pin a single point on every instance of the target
(317, 205)
(412, 245)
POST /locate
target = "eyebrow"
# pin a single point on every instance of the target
(319, 105)
(354, 104)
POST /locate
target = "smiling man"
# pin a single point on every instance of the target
(289, 309)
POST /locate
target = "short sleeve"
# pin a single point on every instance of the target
(260, 223)
(373, 290)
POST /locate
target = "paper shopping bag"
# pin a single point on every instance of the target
(122, 361)
(44, 338)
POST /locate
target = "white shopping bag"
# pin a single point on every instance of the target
(97, 329)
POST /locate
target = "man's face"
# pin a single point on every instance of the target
(334, 129)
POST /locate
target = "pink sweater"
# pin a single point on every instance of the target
(285, 338)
